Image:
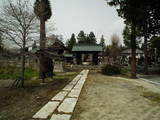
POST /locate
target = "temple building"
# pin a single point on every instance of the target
(87, 53)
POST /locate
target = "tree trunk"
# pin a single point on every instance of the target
(133, 51)
(23, 59)
(42, 34)
(145, 50)
(23, 69)
(42, 47)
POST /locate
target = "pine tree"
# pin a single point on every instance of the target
(42, 10)
(131, 11)
(102, 43)
(71, 42)
(127, 36)
(81, 37)
(91, 38)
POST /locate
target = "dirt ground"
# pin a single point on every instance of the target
(23, 103)
(110, 98)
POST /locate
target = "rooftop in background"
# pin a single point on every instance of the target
(128, 51)
(87, 48)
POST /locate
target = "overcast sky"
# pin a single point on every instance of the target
(71, 16)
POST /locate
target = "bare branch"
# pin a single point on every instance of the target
(18, 22)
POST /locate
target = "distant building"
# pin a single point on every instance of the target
(125, 57)
(127, 52)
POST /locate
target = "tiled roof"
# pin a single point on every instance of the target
(87, 48)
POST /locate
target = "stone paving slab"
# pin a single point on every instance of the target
(78, 86)
(74, 93)
(60, 117)
(75, 80)
(68, 87)
(82, 72)
(81, 81)
(84, 77)
(60, 96)
(45, 111)
(68, 105)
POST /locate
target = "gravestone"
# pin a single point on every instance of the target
(58, 66)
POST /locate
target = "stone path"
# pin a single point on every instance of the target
(62, 105)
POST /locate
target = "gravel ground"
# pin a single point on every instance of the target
(110, 98)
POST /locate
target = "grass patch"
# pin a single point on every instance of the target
(155, 97)
(14, 72)
(27, 101)
(58, 77)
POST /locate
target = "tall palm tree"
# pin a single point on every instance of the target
(42, 9)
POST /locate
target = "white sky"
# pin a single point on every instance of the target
(71, 16)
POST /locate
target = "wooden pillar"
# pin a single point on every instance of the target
(79, 58)
(95, 58)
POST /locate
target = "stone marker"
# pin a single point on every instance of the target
(45, 111)
(60, 117)
(67, 105)
(60, 96)
(58, 66)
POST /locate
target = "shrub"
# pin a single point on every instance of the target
(111, 70)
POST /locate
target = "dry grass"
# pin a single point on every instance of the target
(110, 98)
(155, 97)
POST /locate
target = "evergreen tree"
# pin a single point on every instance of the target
(102, 42)
(42, 10)
(91, 38)
(127, 36)
(71, 42)
(131, 11)
(81, 37)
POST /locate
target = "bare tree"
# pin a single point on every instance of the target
(115, 46)
(19, 26)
